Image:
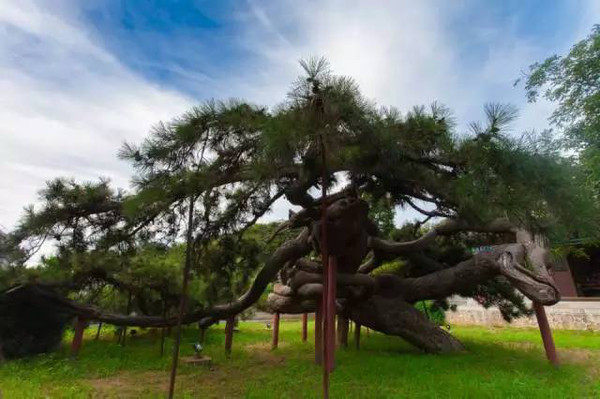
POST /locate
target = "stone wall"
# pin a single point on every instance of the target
(567, 315)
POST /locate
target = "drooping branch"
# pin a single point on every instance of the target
(429, 214)
(394, 316)
(372, 263)
(290, 250)
(506, 260)
(261, 212)
(443, 283)
(448, 227)
(82, 281)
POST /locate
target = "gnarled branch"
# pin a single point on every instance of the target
(292, 249)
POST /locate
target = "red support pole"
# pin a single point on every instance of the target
(546, 332)
(319, 334)
(325, 317)
(275, 341)
(77, 337)
(331, 311)
(357, 336)
(328, 297)
(229, 335)
(325, 348)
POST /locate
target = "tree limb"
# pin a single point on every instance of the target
(448, 227)
(292, 249)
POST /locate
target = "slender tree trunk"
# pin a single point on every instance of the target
(183, 300)
(357, 336)
(163, 331)
(202, 335)
(124, 330)
(343, 327)
(98, 331)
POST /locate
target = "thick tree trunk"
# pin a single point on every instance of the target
(393, 316)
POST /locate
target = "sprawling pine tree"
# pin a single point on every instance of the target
(234, 160)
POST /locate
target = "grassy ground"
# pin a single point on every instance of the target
(500, 363)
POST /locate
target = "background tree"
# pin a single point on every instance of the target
(572, 81)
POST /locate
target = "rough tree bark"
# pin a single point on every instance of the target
(382, 303)
(390, 310)
(393, 316)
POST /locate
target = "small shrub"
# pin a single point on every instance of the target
(29, 326)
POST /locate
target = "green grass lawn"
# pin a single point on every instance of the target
(500, 363)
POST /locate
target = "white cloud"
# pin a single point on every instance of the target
(402, 53)
(590, 16)
(66, 105)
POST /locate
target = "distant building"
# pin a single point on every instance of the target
(579, 276)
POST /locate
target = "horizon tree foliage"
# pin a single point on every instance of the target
(234, 160)
(572, 81)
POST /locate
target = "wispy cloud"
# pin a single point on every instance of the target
(402, 53)
(406, 53)
(67, 104)
(69, 99)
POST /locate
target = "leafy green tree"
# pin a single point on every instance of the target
(382, 212)
(572, 81)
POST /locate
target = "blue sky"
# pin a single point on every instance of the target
(203, 41)
(77, 78)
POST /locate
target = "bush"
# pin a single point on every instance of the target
(29, 326)
(435, 310)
